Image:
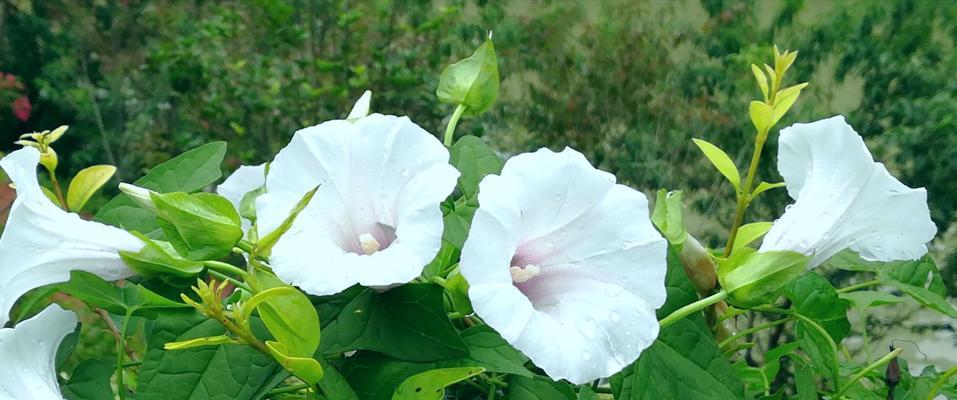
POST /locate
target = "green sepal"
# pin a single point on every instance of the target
(750, 279)
(472, 82)
(668, 216)
(158, 258)
(200, 226)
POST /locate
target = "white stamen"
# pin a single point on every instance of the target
(522, 275)
(368, 243)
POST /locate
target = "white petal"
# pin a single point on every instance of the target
(381, 176)
(244, 180)
(28, 355)
(600, 262)
(41, 243)
(843, 199)
(361, 108)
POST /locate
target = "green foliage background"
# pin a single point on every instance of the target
(628, 83)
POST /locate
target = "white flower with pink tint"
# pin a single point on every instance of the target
(375, 219)
(566, 265)
(845, 200)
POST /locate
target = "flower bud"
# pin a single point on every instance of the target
(750, 279)
(699, 265)
(200, 226)
(49, 159)
(140, 195)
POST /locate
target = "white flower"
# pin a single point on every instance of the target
(28, 355)
(361, 108)
(41, 243)
(243, 180)
(375, 219)
(566, 265)
(843, 199)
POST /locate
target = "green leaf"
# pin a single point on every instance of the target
(538, 388)
(764, 187)
(458, 290)
(457, 224)
(761, 79)
(408, 322)
(762, 116)
(200, 342)
(90, 381)
(668, 216)
(305, 368)
(374, 376)
(472, 82)
(187, 172)
(586, 393)
(785, 99)
(871, 298)
(289, 316)
(804, 381)
(749, 233)
(819, 348)
(848, 260)
(34, 301)
(813, 296)
(85, 183)
(720, 160)
(921, 281)
(430, 385)
(760, 275)
(334, 384)
(200, 226)
(474, 159)
(685, 362)
(131, 299)
(220, 372)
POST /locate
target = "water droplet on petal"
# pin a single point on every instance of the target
(615, 316)
(586, 355)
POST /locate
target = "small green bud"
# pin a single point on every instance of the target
(668, 216)
(698, 264)
(200, 226)
(750, 277)
(140, 195)
(472, 82)
(49, 159)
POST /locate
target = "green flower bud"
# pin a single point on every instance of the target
(699, 265)
(200, 226)
(472, 82)
(140, 195)
(751, 277)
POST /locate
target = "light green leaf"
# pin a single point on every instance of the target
(785, 99)
(288, 314)
(761, 79)
(819, 348)
(158, 258)
(457, 223)
(764, 187)
(305, 368)
(921, 281)
(720, 160)
(201, 342)
(200, 226)
(86, 183)
(760, 275)
(762, 116)
(472, 82)
(750, 232)
(430, 385)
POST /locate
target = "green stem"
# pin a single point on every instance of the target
(288, 389)
(861, 285)
(744, 193)
(232, 280)
(58, 191)
(830, 342)
(751, 330)
(941, 382)
(453, 121)
(224, 268)
(120, 346)
(245, 246)
(860, 374)
(692, 308)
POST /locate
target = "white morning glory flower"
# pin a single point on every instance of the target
(28, 355)
(566, 265)
(375, 219)
(42, 243)
(244, 180)
(845, 200)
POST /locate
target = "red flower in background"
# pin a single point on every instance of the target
(21, 108)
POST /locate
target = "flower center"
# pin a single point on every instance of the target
(368, 243)
(523, 274)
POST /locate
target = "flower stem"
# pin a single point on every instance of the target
(230, 279)
(58, 191)
(860, 374)
(861, 285)
(744, 193)
(751, 330)
(453, 121)
(692, 308)
(120, 346)
(289, 389)
(224, 268)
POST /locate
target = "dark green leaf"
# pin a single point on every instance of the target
(201, 226)
(538, 388)
(819, 349)
(408, 322)
(813, 296)
(90, 381)
(474, 159)
(920, 280)
(130, 299)
(225, 372)
(457, 224)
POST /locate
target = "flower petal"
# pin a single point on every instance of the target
(42, 243)
(599, 265)
(843, 199)
(28, 354)
(361, 108)
(244, 180)
(379, 178)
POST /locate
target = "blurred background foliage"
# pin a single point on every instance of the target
(627, 82)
